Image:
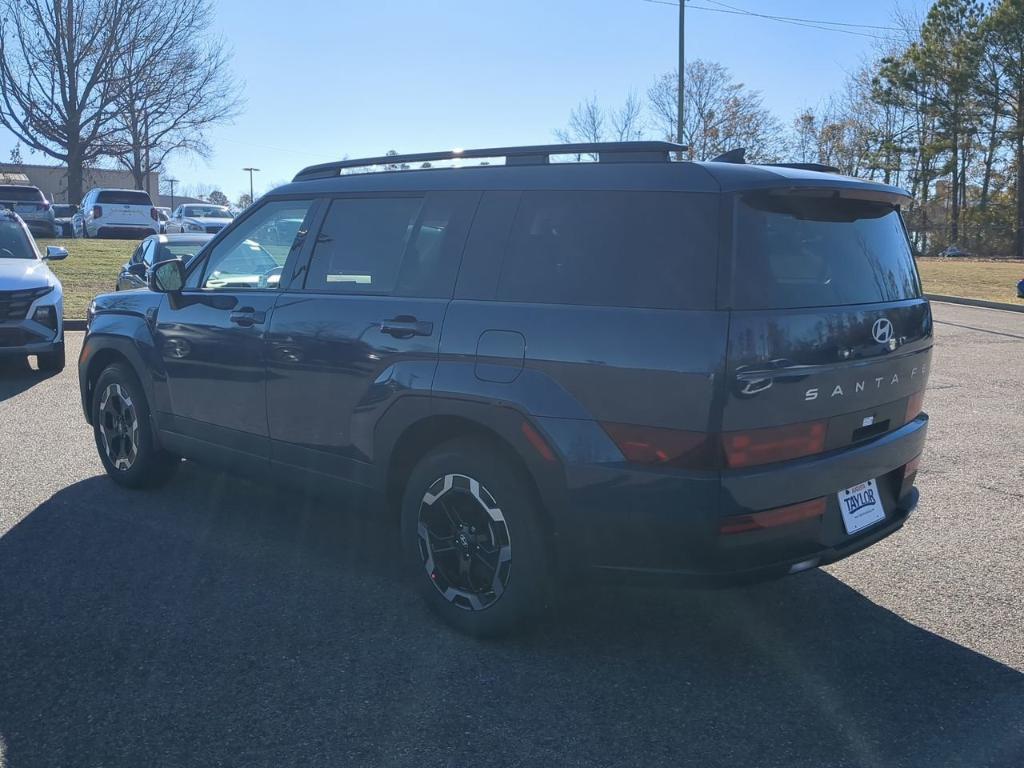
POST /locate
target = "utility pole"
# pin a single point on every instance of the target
(682, 77)
(172, 182)
(251, 171)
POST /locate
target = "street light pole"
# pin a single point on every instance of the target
(172, 182)
(251, 172)
(682, 76)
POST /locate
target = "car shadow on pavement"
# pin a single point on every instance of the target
(17, 376)
(218, 622)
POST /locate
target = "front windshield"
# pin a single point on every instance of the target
(209, 211)
(13, 242)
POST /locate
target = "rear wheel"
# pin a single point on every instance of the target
(124, 432)
(474, 539)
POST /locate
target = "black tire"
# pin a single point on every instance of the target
(52, 362)
(502, 599)
(126, 443)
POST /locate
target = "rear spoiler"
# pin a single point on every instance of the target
(871, 192)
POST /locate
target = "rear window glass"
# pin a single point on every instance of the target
(624, 249)
(804, 251)
(21, 194)
(124, 197)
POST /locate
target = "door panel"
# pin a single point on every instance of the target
(363, 330)
(211, 336)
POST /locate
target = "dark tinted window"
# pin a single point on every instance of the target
(13, 242)
(406, 246)
(625, 249)
(21, 194)
(63, 211)
(184, 251)
(123, 197)
(803, 251)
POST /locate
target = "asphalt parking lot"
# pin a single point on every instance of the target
(218, 622)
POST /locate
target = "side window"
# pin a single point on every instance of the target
(402, 246)
(137, 254)
(148, 249)
(254, 253)
(622, 249)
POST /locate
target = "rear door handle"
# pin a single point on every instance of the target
(405, 327)
(247, 317)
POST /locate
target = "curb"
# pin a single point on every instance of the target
(974, 302)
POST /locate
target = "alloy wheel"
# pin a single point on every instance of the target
(464, 542)
(119, 427)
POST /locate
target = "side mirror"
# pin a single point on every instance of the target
(167, 276)
(138, 269)
(55, 253)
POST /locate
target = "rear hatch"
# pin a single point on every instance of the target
(830, 337)
(27, 202)
(125, 207)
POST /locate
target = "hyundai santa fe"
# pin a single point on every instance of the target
(706, 371)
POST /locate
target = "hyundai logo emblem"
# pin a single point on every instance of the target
(882, 330)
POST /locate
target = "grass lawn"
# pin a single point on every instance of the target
(990, 280)
(90, 268)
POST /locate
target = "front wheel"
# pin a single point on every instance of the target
(124, 432)
(474, 538)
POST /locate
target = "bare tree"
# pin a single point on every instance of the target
(58, 76)
(176, 83)
(627, 120)
(721, 114)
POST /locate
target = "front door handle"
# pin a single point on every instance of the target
(247, 317)
(405, 327)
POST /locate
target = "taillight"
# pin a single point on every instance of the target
(763, 446)
(915, 404)
(773, 518)
(97, 211)
(666, 447)
(154, 215)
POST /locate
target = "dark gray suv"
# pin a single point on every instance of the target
(707, 371)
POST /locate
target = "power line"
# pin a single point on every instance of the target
(794, 21)
(797, 18)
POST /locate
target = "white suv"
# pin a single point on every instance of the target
(118, 213)
(31, 297)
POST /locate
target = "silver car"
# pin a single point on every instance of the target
(199, 217)
(32, 206)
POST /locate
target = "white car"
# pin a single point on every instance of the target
(199, 217)
(118, 213)
(31, 297)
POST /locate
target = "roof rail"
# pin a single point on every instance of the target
(807, 167)
(607, 152)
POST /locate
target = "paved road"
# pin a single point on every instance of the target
(218, 623)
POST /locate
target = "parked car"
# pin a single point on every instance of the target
(31, 297)
(200, 217)
(32, 206)
(118, 213)
(954, 252)
(703, 371)
(155, 248)
(164, 214)
(63, 214)
(1020, 290)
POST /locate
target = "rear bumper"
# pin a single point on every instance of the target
(628, 521)
(127, 230)
(42, 227)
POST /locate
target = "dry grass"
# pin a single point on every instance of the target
(973, 279)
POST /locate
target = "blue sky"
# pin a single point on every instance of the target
(326, 79)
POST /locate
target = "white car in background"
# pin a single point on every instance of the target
(31, 297)
(118, 213)
(199, 217)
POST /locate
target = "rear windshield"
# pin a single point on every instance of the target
(803, 251)
(124, 197)
(13, 242)
(618, 249)
(21, 194)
